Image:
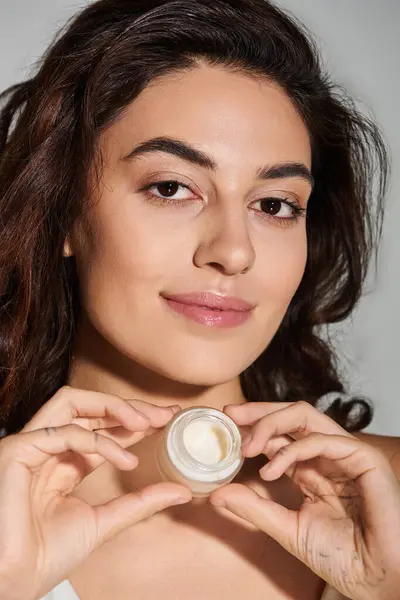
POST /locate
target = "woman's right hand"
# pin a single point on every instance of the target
(45, 532)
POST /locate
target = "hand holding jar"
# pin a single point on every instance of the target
(348, 528)
(42, 525)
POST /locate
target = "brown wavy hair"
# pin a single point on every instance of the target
(49, 128)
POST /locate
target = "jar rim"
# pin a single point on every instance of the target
(184, 461)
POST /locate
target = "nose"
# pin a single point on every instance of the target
(226, 244)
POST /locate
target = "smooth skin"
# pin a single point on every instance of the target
(131, 246)
(43, 526)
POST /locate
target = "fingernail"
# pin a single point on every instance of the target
(132, 458)
(265, 471)
(141, 414)
(219, 502)
(179, 500)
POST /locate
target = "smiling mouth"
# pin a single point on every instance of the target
(211, 301)
(210, 310)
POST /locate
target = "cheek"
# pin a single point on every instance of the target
(123, 264)
(282, 268)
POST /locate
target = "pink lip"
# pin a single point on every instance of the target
(210, 309)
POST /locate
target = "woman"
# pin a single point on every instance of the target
(185, 199)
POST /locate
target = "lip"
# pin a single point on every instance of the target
(210, 309)
(211, 300)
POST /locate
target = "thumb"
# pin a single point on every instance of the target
(124, 511)
(274, 519)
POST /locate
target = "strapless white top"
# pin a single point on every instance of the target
(65, 591)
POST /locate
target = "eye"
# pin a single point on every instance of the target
(279, 208)
(167, 189)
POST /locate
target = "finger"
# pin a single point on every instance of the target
(129, 509)
(297, 420)
(275, 444)
(367, 466)
(334, 447)
(124, 437)
(249, 413)
(274, 519)
(158, 416)
(96, 410)
(69, 404)
(310, 478)
(34, 448)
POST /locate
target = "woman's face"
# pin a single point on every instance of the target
(225, 230)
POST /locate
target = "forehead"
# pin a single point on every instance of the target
(233, 116)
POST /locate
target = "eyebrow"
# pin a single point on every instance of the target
(189, 153)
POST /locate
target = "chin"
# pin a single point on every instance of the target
(185, 360)
(202, 378)
(206, 372)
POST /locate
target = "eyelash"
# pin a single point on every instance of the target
(298, 212)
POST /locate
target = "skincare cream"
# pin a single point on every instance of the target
(200, 448)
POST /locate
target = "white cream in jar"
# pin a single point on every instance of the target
(201, 448)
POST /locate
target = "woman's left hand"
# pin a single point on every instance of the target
(347, 529)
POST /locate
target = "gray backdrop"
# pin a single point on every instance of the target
(360, 43)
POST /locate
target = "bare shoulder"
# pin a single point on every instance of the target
(388, 443)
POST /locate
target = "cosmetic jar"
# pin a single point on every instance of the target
(200, 448)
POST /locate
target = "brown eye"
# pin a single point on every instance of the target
(168, 188)
(281, 210)
(272, 206)
(275, 207)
